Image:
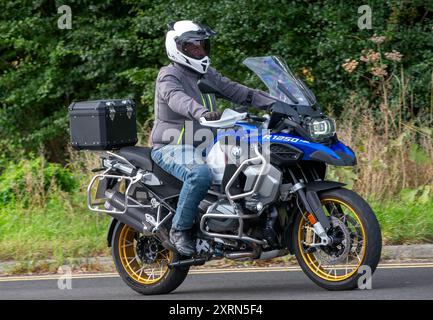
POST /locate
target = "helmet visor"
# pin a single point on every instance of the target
(196, 49)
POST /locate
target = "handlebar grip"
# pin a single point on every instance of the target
(241, 109)
(258, 118)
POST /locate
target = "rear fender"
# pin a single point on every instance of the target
(110, 233)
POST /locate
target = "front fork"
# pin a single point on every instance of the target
(308, 194)
(315, 213)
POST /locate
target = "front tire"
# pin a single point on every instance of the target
(142, 262)
(337, 267)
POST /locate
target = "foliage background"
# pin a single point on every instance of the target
(115, 49)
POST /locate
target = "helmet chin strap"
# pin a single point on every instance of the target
(191, 69)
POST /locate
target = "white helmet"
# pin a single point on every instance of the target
(187, 43)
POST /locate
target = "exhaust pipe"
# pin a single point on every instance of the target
(256, 255)
(240, 255)
(188, 262)
(133, 217)
(273, 254)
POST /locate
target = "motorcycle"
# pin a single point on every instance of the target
(269, 197)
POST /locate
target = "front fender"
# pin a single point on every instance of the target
(318, 186)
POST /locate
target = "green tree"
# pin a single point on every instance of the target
(115, 49)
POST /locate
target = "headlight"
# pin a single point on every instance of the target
(321, 128)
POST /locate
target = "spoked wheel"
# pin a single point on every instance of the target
(356, 241)
(142, 262)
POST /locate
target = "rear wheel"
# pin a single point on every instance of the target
(357, 242)
(142, 262)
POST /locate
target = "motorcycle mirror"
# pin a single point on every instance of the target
(281, 86)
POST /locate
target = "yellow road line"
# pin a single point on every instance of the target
(206, 271)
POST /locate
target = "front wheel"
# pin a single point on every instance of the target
(142, 262)
(357, 236)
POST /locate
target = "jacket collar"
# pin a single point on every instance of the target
(186, 70)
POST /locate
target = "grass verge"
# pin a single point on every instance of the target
(59, 230)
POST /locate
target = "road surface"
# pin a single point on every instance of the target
(411, 281)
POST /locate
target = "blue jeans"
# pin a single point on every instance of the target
(185, 163)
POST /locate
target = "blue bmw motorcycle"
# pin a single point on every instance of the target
(269, 197)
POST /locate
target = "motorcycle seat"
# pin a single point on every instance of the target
(138, 156)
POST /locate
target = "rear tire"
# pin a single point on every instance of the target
(365, 233)
(131, 268)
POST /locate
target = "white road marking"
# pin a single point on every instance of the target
(207, 271)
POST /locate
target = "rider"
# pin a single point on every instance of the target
(179, 105)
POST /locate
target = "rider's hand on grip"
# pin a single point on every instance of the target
(241, 109)
(212, 115)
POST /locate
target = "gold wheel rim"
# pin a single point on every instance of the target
(329, 272)
(141, 272)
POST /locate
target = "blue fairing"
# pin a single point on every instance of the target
(336, 154)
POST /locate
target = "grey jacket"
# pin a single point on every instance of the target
(178, 99)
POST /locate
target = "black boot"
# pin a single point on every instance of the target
(183, 242)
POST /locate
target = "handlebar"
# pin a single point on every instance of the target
(250, 116)
(257, 118)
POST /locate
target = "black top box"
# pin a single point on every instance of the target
(103, 124)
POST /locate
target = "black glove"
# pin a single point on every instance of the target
(241, 109)
(212, 115)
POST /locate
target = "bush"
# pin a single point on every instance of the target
(29, 181)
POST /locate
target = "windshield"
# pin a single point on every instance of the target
(280, 80)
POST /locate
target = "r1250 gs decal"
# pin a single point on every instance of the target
(277, 137)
